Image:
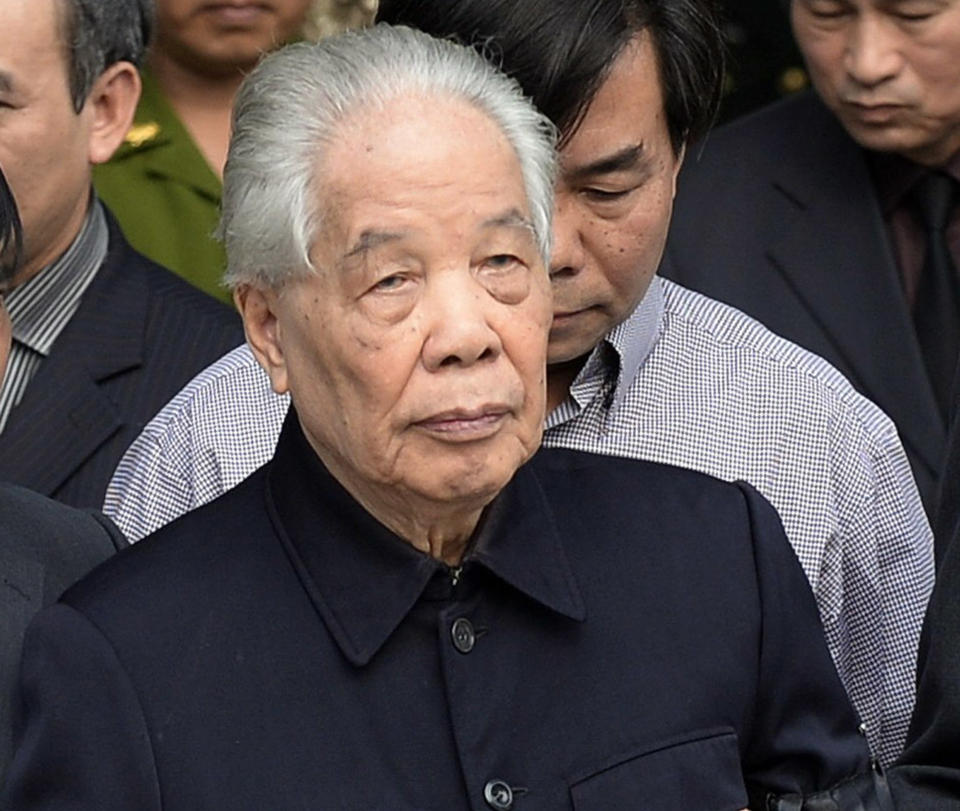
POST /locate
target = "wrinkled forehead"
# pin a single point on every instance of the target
(439, 176)
(414, 145)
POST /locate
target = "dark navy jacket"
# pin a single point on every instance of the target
(622, 635)
(140, 334)
(776, 214)
(44, 547)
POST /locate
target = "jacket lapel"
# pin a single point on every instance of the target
(835, 253)
(66, 414)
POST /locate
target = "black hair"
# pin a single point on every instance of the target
(99, 33)
(561, 51)
(11, 235)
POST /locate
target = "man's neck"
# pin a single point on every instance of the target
(54, 248)
(560, 377)
(203, 102)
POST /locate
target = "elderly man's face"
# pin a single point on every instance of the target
(416, 354)
(44, 144)
(614, 201)
(888, 69)
(223, 37)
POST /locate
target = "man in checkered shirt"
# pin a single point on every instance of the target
(639, 367)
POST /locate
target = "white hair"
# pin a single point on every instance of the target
(288, 111)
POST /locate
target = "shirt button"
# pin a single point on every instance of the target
(498, 795)
(464, 637)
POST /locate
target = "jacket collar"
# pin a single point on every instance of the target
(363, 579)
(66, 414)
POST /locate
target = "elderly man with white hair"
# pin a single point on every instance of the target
(407, 606)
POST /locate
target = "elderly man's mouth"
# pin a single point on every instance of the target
(465, 425)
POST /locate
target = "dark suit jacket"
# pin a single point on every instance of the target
(139, 336)
(927, 776)
(44, 548)
(654, 646)
(778, 217)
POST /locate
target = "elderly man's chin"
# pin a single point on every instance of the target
(474, 470)
(460, 461)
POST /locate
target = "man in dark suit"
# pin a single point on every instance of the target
(809, 215)
(44, 546)
(102, 338)
(927, 775)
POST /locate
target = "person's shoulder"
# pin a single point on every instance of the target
(64, 541)
(41, 519)
(232, 389)
(738, 344)
(184, 561)
(693, 513)
(793, 132)
(785, 122)
(588, 474)
(167, 291)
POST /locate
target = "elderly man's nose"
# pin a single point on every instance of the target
(872, 53)
(461, 333)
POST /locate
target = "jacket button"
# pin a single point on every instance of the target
(464, 637)
(498, 795)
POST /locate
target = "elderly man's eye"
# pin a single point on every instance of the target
(502, 261)
(390, 283)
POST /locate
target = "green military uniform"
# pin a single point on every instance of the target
(165, 195)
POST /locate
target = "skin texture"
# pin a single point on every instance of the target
(45, 147)
(218, 37)
(416, 353)
(888, 69)
(615, 194)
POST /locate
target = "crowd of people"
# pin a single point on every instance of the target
(443, 413)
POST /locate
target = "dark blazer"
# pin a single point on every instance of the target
(44, 548)
(655, 645)
(776, 214)
(139, 336)
(927, 775)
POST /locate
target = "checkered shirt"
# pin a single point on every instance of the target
(686, 381)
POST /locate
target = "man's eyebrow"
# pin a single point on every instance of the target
(627, 158)
(371, 239)
(509, 219)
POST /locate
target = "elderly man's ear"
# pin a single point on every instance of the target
(110, 106)
(258, 309)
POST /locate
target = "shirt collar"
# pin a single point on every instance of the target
(363, 579)
(42, 306)
(619, 355)
(893, 176)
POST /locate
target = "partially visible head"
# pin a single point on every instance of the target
(629, 83)
(11, 239)
(98, 34)
(561, 51)
(386, 215)
(220, 39)
(68, 90)
(888, 69)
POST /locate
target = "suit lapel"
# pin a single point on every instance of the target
(66, 414)
(834, 252)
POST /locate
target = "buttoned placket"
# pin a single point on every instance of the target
(463, 631)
